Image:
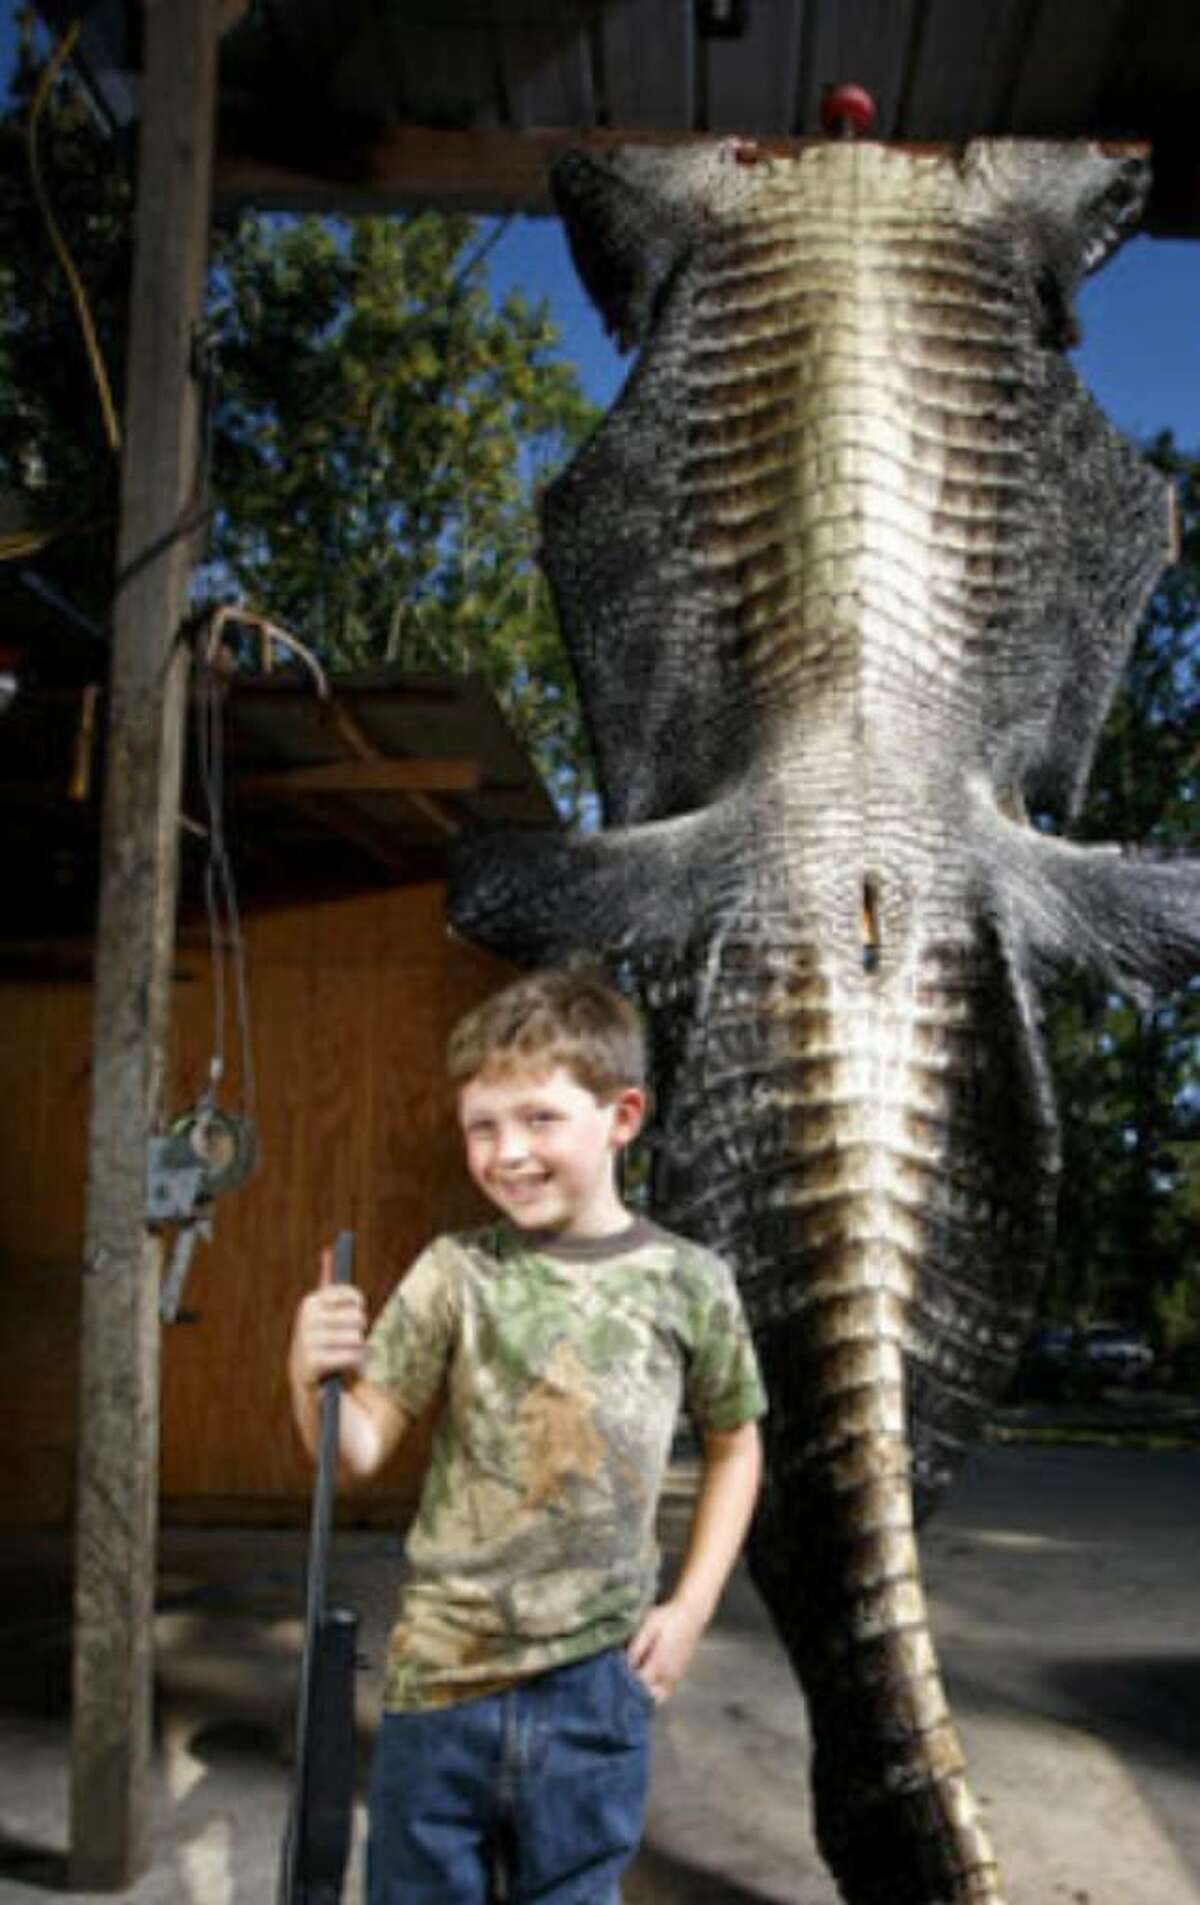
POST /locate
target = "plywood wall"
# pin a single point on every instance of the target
(45, 1077)
(351, 1003)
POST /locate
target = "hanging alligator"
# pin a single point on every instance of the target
(848, 575)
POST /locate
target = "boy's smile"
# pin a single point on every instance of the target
(543, 1148)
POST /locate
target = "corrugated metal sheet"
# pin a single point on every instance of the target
(940, 69)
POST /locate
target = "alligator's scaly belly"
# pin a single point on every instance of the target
(868, 1149)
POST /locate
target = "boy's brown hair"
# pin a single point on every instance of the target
(567, 1016)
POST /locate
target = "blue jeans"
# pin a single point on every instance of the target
(537, 1794)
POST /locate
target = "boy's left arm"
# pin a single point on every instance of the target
(663, 1646)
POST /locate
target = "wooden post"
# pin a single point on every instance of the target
(116, 1507)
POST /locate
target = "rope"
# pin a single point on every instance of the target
(226, 938)
(227, 945)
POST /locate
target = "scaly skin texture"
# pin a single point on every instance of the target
(848, 575)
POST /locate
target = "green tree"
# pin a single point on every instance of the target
(1129, 1076)
(381, 435)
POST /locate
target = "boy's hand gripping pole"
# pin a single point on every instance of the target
(317, 1839)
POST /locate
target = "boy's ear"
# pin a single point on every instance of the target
(629, 1106)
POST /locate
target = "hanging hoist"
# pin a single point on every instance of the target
(208, 1149)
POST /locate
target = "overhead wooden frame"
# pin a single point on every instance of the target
(372, 775)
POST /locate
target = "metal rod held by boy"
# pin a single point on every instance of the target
(317, 1838)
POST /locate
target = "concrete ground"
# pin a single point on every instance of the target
(1064, 1589)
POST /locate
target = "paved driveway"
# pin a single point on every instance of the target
(1065, 1586)
(1066, 1594)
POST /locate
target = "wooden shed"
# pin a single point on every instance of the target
(339, 811)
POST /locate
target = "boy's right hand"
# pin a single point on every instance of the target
(330, 1331)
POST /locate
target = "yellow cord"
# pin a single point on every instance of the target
(18, 543)
(112, 427)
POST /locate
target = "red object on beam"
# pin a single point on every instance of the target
(847, 111)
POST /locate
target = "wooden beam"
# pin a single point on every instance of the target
(365, 834)
(1174, 208)
(367, 776)
(409, 166)
(47, 793)
(116, 1507)
(276, 168)
(404, 167)
(351, 731)
(286, 691)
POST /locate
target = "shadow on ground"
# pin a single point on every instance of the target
(35, 1639)
(1155, 1699)
(1054, 1574)
(34, 1865)
(659, 1878)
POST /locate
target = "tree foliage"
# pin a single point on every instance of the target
(1129, 1076)
(381, 434)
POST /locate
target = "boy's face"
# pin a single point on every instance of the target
(543, 1148)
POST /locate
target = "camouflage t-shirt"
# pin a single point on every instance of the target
(565, 1366)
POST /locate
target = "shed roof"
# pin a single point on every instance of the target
(364, 788)
(461, 102)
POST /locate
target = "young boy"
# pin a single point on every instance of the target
(528, 1655)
